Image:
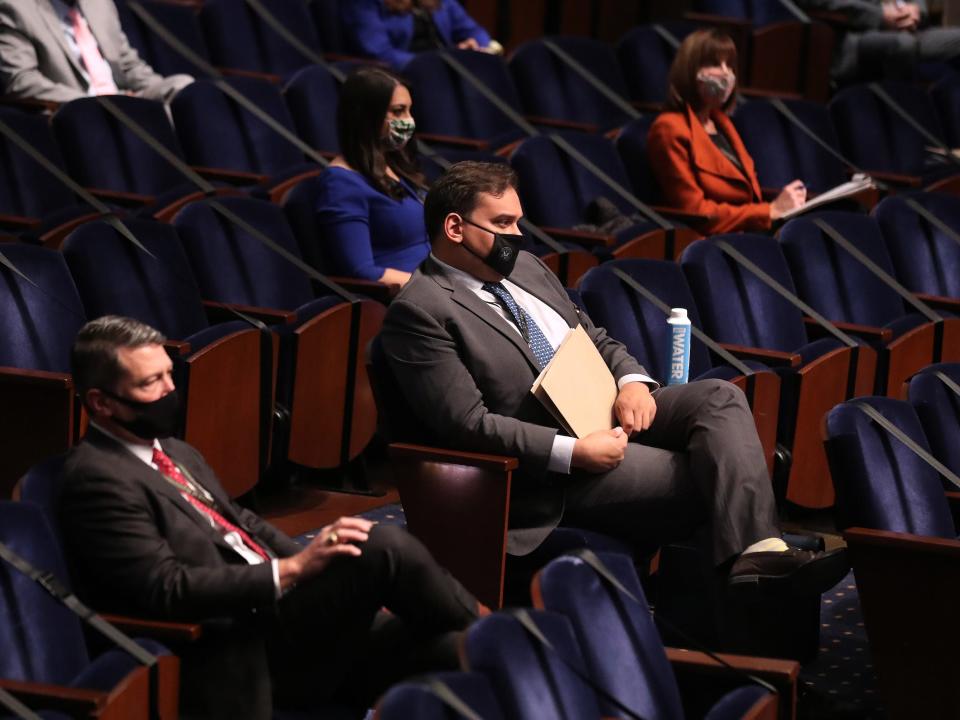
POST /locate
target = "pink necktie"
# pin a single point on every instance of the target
(101, 77)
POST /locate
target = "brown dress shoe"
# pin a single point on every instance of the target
(793, 572)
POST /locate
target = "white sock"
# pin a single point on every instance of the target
(770, 544)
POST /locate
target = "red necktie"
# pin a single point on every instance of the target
(170, 470)
(101, 76)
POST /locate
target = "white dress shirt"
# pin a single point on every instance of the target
(63, 12)
(554, 328)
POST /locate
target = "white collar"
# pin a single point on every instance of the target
(143, 452)
(462, 276)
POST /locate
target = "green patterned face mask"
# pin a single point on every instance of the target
(399, 132)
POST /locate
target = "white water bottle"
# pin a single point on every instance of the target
(678, 353)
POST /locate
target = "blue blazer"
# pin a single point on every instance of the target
(372, 30)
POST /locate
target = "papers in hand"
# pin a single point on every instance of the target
(577, 387)
(857, 184)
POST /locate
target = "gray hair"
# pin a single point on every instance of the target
(93, 358)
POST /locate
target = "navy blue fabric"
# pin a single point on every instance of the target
(102, 153)
(938, 408)
(946, 97)
(529, 680)
(299, 206)
(761, 12)
(880, 483)
(216, 132)
(112, 666)
(413, 700)
(926, 259)
(645, 59)
(548, 87)
(39, 486)
(621, 647)
(38, 323)
(736, 703)
(326, 20)
(181, 20)
(782, 152)
(874, 137)
(831, 280)
(239, 38)
(312, 96)
(159, 290)
(445, 104)
(632, 146)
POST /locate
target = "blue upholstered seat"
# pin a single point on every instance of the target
(312, 95)
(180, 19)
(414, 699)
(938, 408)
(645, 57)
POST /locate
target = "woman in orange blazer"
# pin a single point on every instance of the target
(695, 152)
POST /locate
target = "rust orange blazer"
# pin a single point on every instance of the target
(695, 177)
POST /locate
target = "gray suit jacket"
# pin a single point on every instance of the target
(861, 14)
(36, 62)
(466, 374)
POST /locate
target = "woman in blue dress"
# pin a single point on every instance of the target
(369, 208)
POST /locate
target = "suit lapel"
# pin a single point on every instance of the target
(50, 17)
(707, 156)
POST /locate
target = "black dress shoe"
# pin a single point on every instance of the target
(794, 572)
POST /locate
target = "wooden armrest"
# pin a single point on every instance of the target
(236, 177)
(471, 143)
(237, 72)
(709, 19)
(753, 92)
(221, 312)
(165, 631)
(896, 178)
(953, 498)
(681, 215)
(581, 237)
(118, 197)
(786, 670)
(831, 17)
(18, 222)
(177, 348)
(865, 331)
(770, 357)
(561, 123)
(30, 104)
(940, 301)
(35, 377)
(79, 702)
(380, 291)
(886, 540)
(454, 457)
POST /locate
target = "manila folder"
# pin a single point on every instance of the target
(577, 387)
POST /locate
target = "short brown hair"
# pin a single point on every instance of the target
(93, 358)
(459, 189)
(699, 49)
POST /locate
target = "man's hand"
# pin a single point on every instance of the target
(468, 44)
(635, 407)
(599, 451)
(901, 16)
(332, 541)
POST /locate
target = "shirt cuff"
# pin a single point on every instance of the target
(637, 377)
(561, 454)
(275, 565)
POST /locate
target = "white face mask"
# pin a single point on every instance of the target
(399, 132)
(716, 87)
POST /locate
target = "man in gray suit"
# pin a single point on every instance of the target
(61, 50)
(470, 332)
(885, 39)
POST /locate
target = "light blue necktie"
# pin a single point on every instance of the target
(541, 347)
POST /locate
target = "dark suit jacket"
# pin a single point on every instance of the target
(466, 374)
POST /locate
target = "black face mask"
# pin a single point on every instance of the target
(503, 255)
(157, 419)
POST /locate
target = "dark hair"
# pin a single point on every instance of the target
(459, 188)
(698, 50)
(405, 6)
(93, 358)
(364, 101)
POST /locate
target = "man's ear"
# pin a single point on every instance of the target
(453, 227)
(96, 403)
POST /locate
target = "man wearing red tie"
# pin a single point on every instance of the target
(148, 530)
(61, 50)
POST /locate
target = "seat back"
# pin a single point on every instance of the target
(312, 95)
(40, 640)
(100, 152)
(234, 267)
(549, 87)
(830, 279)
(635, 321)
(239, 38)
(554, 189)
(926, 259)
(300, 207)
(216, 132)
(39, 315)
(946, 98)
(326, 20)
(180, 19)
(529, 680)
(26, 188)
(631, 145)
(938, 408)
(158, 290)
(417, 700)
(875, 137)
(782, 152)
(645, 56)
(446, 104)
(736, 306)
(760, 12)
(880, 483)
(39, 486)
(621, 647)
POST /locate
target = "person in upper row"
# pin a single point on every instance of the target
(369, 208)
(395, 30)
(694, 150)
